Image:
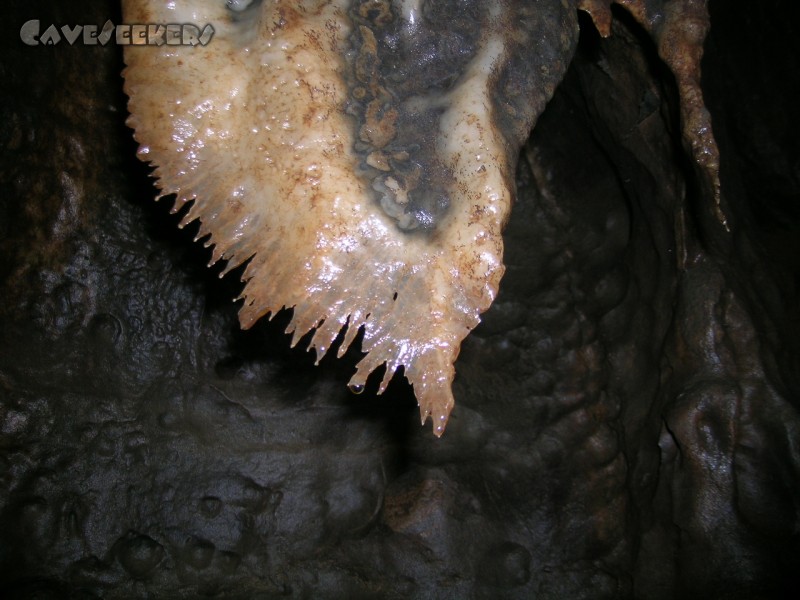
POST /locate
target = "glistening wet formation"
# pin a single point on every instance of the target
(369, 145)
(401, 70)
(626, 427)
(409, 62)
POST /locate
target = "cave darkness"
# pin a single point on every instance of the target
(628, 419)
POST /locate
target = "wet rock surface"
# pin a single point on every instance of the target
(627, 417)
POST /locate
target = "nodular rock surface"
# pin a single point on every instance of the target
(628, 415)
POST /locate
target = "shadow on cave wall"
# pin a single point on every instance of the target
(627, 417)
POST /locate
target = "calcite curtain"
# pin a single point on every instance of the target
(626, 421)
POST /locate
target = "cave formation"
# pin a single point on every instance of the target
(627, 421)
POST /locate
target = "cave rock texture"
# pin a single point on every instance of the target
(628, 415)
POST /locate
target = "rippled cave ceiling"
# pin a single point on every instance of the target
(627, 418)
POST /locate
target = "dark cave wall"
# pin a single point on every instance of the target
(627, 414)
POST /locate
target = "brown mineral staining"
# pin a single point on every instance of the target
(600, 11)
(379, 161)
(377, 11)
(679, 29)
(326, 249)
(379, 127)
(366, 180)
(366, 67)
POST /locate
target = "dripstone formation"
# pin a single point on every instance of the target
(626, 415)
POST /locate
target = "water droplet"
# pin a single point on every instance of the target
(356, 388)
